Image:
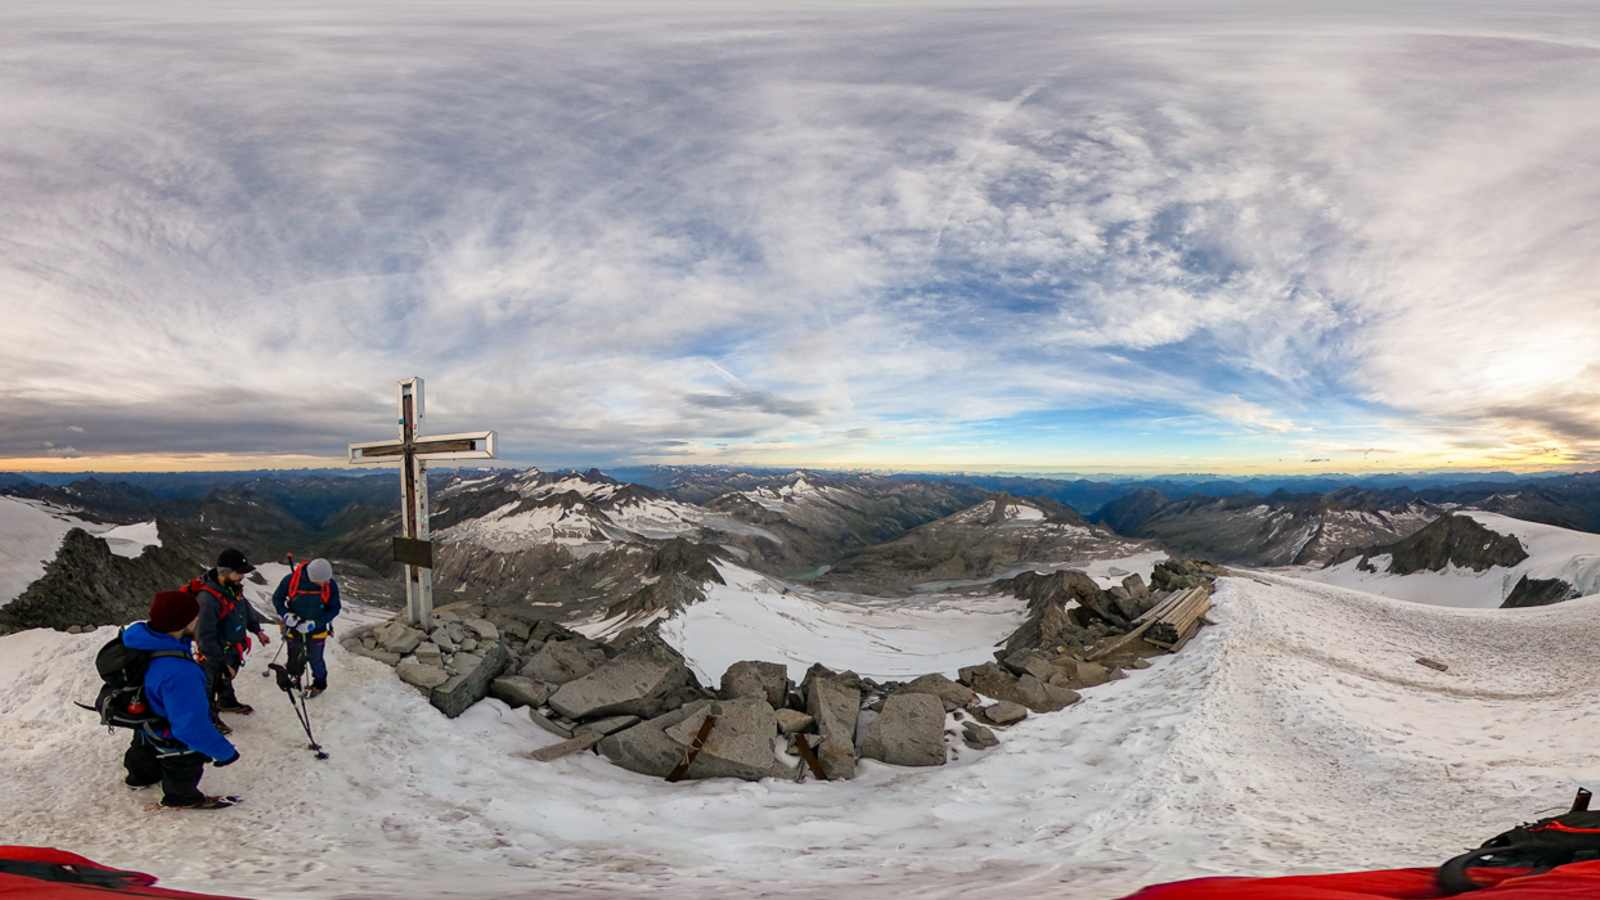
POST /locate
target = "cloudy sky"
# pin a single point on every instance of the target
(1083, 237)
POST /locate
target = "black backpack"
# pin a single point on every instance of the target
(1555, 841)
(121, 702)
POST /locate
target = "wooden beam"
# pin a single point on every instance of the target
(681, 771)
(1145, 621)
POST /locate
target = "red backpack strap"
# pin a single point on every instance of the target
(225, 603)
(326, 588)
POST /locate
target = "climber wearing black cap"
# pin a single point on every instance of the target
(221, 635)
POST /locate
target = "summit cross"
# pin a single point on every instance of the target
(413, 453)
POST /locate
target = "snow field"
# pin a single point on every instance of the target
(1297, 735)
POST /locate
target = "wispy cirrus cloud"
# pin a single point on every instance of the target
(848, 235)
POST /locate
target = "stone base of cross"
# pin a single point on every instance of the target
(413, 453)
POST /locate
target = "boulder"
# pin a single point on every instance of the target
(1129, 606)
(429, 653)
(953, 694)
(1037, 695)
(469, 645)
(556, 726)
(834, 701)
(516, 629)
(398, 637)
(413, 671)
(645, 748)
(471, 682)
(978, 737)
(442, 639)
(740, 744)
(377, 653)
(559, 662)
(791, 721)
(483, 629)
(608, 725)
(909, 731)
(1005, 712)
(1087, 674)
(769, 681)
(646, 682)
(1136, 587)
(518, 691)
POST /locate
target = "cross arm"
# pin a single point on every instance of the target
(465, 445)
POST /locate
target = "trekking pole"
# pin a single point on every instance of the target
(290, 687)
(281, 641)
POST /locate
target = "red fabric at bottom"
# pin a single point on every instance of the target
(1564, 883)
(135, 884)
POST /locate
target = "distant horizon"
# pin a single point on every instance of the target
(1043, 473)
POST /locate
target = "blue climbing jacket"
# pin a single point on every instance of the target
(176, 691)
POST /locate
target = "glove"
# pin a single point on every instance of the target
(227, 762)
(306, 626)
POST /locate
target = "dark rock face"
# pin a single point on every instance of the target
(1051, 623)
(1274, 530)
(1538, 592)
(1451, 540)
(991, 540)
(87, 584)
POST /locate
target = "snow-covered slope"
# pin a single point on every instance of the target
(1298, 735)
(1553, 553)
(755, 617)
(586, 512)
(31, 533)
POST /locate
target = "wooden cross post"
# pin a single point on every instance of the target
(413, 453)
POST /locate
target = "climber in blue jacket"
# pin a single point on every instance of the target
(174, 749)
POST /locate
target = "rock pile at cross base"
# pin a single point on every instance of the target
(636, 701)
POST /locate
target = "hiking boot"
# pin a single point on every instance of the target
(238, 709)
(222, 727)
(202, 803)
(313, 692)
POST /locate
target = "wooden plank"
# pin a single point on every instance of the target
(413, 552)
(1432, 664)
(580, 742)
(1145, 621)
(1171, 626)
(682, 769)
(803, 747)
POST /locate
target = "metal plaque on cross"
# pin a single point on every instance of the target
(412, 453)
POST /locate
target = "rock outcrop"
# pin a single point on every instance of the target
(1451, 540)
(1538, 592)
(769, 681)
(908, 732)
(645, 681)
(834, 700)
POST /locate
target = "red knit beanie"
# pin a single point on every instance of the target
(172, 611)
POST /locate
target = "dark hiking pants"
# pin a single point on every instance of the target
(308, 649)
(179, 773)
